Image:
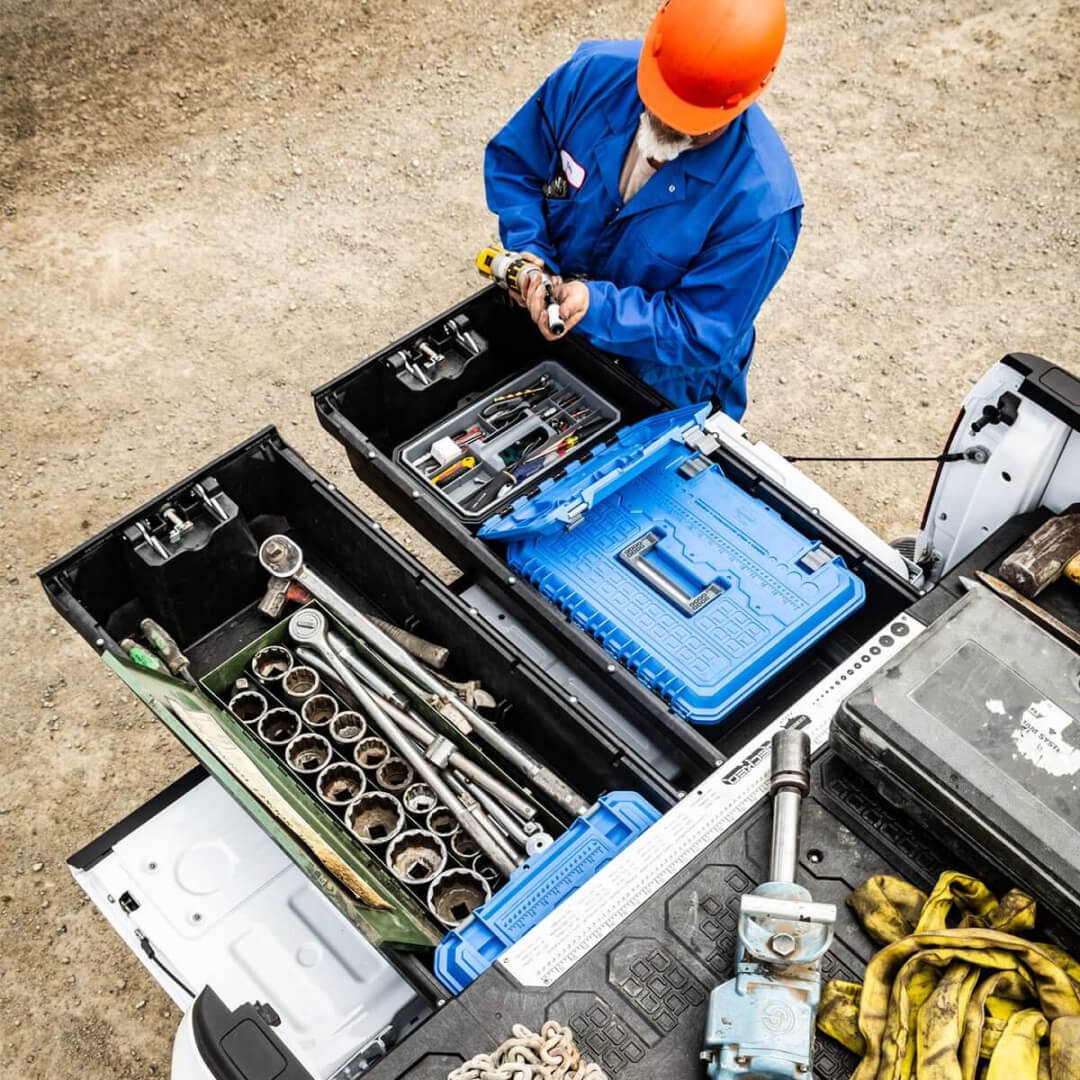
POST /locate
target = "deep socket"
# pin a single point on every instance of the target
(442, 823)
(249, 706)
(419, 799)
(375, 818)
(271, 663)
(340, 783)
(370, 753)
(347, 729)
(394, 774)
(319, 710)
(308, 753)
(279, 727)
(455, 894)
(299, 683)
(416, 857)
(464, 846)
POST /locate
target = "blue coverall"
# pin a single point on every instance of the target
(676, 275)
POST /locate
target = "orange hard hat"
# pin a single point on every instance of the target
(705, 61)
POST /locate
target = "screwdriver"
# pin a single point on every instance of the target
(451, 471)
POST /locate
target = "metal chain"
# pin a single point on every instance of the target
(551, 1055)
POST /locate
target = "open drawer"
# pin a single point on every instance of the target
(375, 416)
(190, 561)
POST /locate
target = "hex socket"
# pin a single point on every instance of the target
(308, 753)
(420, 800)
(455, 894)
(375, 818)
(442, 823)
(340, 783)
(249, 706)
(300, 682)
(347, 729)
(416, 857)
(319, 710)
(370, 753)
(279, 727)
(394, 774)
(272, 662)
(464, 846)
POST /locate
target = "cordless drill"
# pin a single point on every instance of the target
(508, 270)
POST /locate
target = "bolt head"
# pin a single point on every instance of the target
(783, 944)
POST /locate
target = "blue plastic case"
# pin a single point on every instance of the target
(699, 588)
(539, 885)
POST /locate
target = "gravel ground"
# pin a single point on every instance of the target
(210, 208)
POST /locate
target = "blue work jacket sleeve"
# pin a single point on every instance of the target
(521, 159)
(702, 321)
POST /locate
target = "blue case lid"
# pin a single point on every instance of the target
(539, 885)
(700, 589)
(560, 502)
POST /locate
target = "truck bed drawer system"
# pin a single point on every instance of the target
(582, 640)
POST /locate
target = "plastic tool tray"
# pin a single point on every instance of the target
(699, 588)
(509, 438)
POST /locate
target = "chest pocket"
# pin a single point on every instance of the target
(665, 260)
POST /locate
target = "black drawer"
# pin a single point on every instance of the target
(371, 413)
(208, 599)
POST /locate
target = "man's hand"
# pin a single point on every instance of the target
(530, 281)
(572, 298)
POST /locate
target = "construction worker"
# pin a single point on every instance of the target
(647, 178)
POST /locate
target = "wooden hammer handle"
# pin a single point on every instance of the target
(1043, 557)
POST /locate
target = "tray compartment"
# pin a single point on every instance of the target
(563, 406)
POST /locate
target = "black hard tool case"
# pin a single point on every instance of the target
(373, 414)
(975, 731)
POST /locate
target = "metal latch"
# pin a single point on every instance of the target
(814, 560)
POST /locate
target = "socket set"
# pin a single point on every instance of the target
(511, 437)
(284, 695)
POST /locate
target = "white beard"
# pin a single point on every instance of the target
(657, 143)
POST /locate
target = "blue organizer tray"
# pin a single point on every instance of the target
(538, 886)
(700, 589)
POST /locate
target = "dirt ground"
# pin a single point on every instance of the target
(210, 208)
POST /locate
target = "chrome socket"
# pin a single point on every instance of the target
(370, 753)
(416, 857)
(340, 784)
(308, 753)
(249, 706)
(455, 894)
(272, 663)
(464, 846)
(442, 823)
(279, 727)
(487, 870)
(375, 818)
(319, 710)
(299, 683)
(394, 774)
(420, 800)
(347, 729)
